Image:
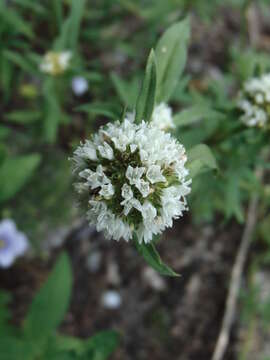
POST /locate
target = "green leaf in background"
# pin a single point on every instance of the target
(23, 117)
(70, 28)
(61, 42)
(4, 132)
(5, 327)
(12, 348)
(264, 230)
(52, 111)
(77, 11)
(200, 159)
(3, 153)
(21, 61)
(127, 91)
(97, 108)
(39, 9)
(63, 356)
(50, 304)
(14, 20)
(66, 343)
(246, 63)
(194, 114)
(57, 12)
(171, 53)
(15, 172)
(99, 346)
(151, 256)
(6, 73)
(102, 345)
(146, 99)
(232, 195)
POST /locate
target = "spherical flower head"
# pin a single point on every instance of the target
(79, 85)
(12, 243)
(254, 101)
(133, 179)
(55, 63)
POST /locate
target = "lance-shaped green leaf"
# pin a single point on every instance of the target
(99, 108)
(15, 21)
(151, 256)
(102, 345)
(70, 28)
(23, 116)
(126, 90)
(264, 230)
(194, 114)
(52, 111)
(15, 172)
(4, 132)
(50, 304)
(3, 153)
(21, 61)
(171, 54)
(233, 199)
(146, 99)
(77, 12)
(200, 159)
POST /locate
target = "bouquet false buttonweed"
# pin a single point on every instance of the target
(254, 101)
(134, 179)
(12, 243)
(55, 63)
(132, 175)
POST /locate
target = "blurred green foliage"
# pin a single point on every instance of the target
(37, 338)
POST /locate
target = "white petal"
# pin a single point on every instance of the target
(154, 174)
(106, 151)
(107, 191)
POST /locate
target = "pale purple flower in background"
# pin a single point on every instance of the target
(12, 243)
(111, 299)
(79, 85)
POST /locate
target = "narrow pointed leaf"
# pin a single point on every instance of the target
(200, 159)
(171, 53)
(102, 345)
(15, 172)
(52, 111)
(194, 114)
(50, 304)
(151, 256)
(146, 99)
(76, 15)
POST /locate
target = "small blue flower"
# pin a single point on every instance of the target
(79, 85)
(12, 243)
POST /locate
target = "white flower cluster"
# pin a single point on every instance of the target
(254, 101)
(133, 179)
(162, 117)
(55, 63)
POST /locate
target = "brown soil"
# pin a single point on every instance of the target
(179, 322)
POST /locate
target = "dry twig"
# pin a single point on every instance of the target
(236, 276)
